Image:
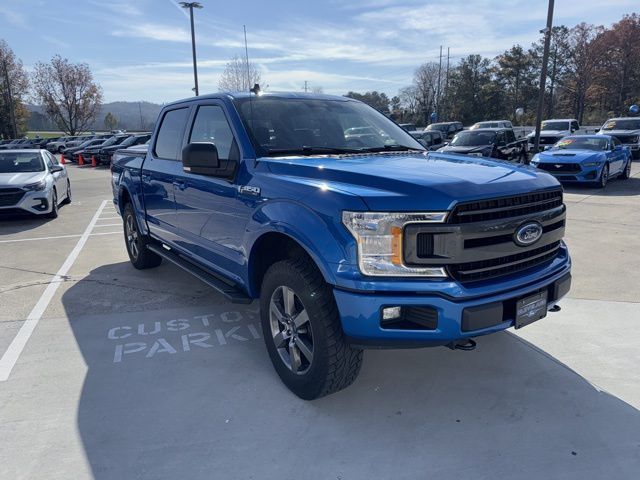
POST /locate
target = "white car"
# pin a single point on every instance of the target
(32, 181)
(554, 130)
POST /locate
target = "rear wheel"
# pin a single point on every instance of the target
(54, 205)
(302, 331)
(60, 149)
(604, 176)
(67, 199)
(626, 173)
(139, 255)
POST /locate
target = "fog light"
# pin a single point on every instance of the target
(391, 313)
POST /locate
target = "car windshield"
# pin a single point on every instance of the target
(302, 126)
(555, 125)
(473, 139)
(582, 143)
(443, 127)
(112, 141)
(16, 162)
(622, 124)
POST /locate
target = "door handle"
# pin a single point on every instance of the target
(180, 184)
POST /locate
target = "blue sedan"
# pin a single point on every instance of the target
(592, 159)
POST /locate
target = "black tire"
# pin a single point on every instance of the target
(67, 199)
(139, 255)
(54, 205)
(60, 149)
(334, 363)
(626, 173)
(604, 176)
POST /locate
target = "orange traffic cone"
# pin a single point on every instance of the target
(94, 162)
(62, 162)
(80, 160)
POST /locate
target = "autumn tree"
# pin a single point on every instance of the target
(68, 93)
(13, 90)
(239, 76)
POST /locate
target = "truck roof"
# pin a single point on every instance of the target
(234, 95)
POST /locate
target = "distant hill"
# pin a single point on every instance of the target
(130, 116)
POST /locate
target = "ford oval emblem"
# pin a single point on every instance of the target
(528, 234)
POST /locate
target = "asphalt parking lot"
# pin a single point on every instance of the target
(108, 372)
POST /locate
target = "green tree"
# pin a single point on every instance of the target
(377, 100)
(110, 121)
(516, 72)
(469, 82)
(14, 85)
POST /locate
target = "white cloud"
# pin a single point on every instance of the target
(14, 17)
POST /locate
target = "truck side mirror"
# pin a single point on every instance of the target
(201, 158)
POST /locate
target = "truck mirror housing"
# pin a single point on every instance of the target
(201, 157)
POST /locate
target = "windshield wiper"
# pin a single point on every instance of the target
(391, 148)
(307, 150)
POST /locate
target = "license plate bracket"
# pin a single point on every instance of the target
(531, 309)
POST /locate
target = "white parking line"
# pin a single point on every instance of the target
(109, 225)
(10, 357)
(55, 238)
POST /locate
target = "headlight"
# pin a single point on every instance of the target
(591, 164)
(380, 237)
(41, 185)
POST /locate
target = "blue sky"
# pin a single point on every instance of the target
(140, 50)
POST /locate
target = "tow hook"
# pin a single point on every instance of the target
(467, 345)
(555, 308)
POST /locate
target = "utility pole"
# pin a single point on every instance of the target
(191, 6)
(12, 113)
(140, 110)
(305, 86)
(438, 86)
(446, 85)
(543, 74)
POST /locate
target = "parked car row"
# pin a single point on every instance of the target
(102, 149)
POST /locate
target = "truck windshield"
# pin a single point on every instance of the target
(302, 126)
(622, 124)
(555, 126)
(473, 139)
(17, 162)
(582, 143)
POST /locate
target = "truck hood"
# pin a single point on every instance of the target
(410, 181)
(20, 179)
(568, 156)
(474, 149)
(619, 132)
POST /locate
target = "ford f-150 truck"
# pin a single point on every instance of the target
(347, 241)
(554, 130)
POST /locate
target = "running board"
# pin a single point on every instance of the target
(234, 294)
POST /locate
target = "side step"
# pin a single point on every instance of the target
(232, 293)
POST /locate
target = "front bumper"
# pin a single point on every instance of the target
(33, 202)
(457, 318)
(585, 175)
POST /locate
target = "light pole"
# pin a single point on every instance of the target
(543, 74)
(191, 6)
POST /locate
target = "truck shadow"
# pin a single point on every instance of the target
(179, 385)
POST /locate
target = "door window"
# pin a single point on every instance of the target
(510, 136)
(170, 134)
(211, 126)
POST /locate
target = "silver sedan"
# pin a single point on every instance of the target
(32, 181)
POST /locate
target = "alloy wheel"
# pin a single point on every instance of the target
(132, 236)
(291, 330)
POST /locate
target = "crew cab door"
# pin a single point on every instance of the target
(211, 217)
(161, 168)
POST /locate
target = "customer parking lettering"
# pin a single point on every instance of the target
(182, 335)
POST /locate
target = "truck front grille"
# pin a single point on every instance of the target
(484, 269)
(506, 207)
(10, 196)
(627, 138)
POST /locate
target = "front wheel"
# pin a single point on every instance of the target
(67, 199)
(302, 331)
(54, 205)
(139, 255)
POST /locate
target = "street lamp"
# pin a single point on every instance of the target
(191, 6)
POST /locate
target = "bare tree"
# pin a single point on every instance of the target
(425, 82)
(13, 88)
(238, 76)
(68, 93)
(317, 89)
(110, 121)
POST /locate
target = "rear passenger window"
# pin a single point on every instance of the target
(170, 134)
(211, 126)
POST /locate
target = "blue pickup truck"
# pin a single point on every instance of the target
(349, 240)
